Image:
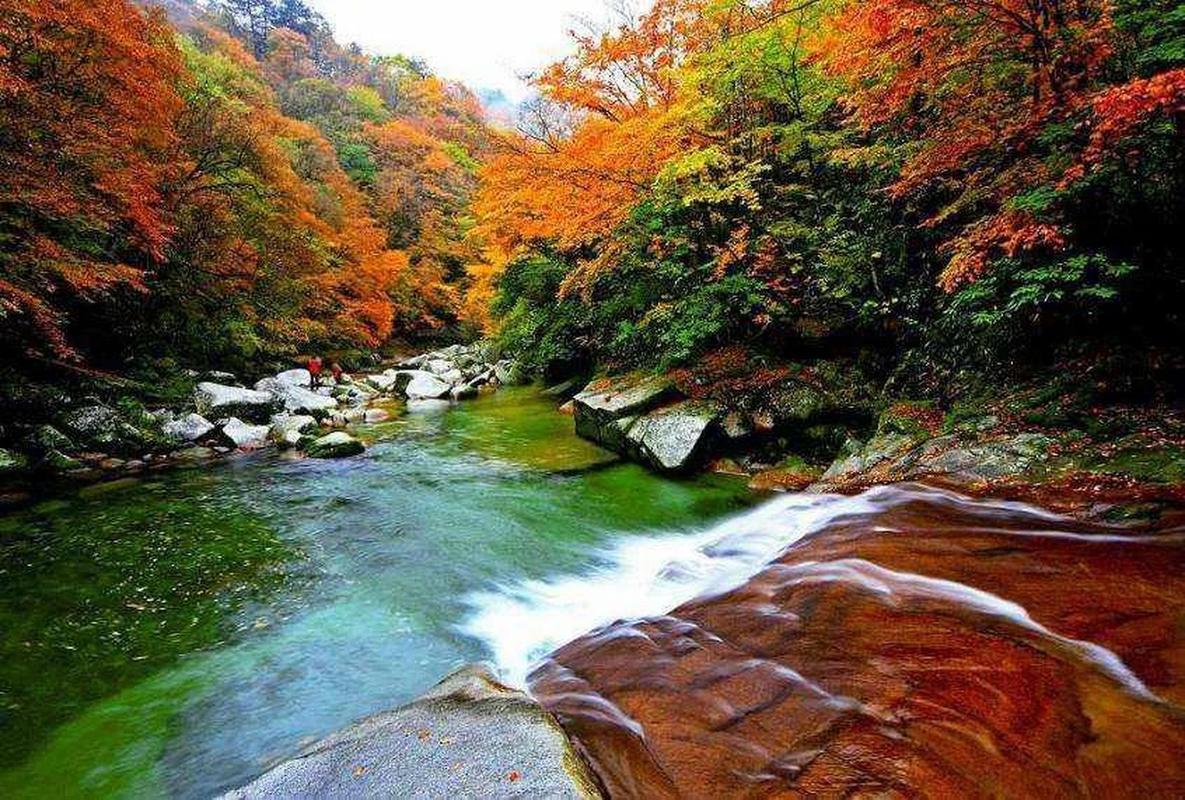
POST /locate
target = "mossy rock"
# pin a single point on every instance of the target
(57, 461)
(335, 445)
(1164, 465)
(11, 462)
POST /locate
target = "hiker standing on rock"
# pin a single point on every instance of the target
(315, 371)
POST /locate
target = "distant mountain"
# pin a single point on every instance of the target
(500, 109)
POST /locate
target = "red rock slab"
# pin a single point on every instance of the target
(938, 647)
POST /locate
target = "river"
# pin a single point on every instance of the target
(173, 637)
(176, 636)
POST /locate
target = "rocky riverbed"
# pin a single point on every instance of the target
(95, 440)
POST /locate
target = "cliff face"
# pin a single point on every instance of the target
(934, 646)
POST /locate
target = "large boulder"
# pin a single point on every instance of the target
(283, 425)
(675, 438)
(244, 436)
(296, 377)
(469, 737)
(47, 438)
(105, 429)
(189, 428)
(384, 382)
(218, 401)
(335, 445)
(423, 386)
(605, 402)
(296, 399)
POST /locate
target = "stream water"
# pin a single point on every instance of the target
(176, 636)
(173, 637)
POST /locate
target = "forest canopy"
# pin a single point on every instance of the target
(953, 184)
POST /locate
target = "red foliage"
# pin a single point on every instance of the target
(88, 101)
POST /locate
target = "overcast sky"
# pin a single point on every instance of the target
(486, 44)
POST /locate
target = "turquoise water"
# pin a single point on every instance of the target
(176, 636)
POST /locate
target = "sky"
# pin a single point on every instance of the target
(486, 44)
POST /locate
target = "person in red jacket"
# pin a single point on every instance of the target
(315, 371)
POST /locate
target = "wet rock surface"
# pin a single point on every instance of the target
(468, 737)
(926, 645)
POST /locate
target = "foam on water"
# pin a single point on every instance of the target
(648, 576)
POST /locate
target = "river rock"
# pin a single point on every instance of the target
(675, 438)
(470, 737)
(354, 394)
(11, 462)
(296, 399)
(244, 436)
(439, 366)
(296, 377)
(103, 428)
(58, 461)
(218, 401)
(384, 382)
(288, 428)
(424, 386)
(604, 402)
(335, 445)
(189, 428)
(46, 438)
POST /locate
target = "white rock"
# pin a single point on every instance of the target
(296, 399)
(383, 382)
(296, 377)
(188, 429)
(244, 436)
(219, 401)
(284, 425)
(426, 386)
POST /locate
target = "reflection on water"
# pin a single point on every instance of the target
(174, 637)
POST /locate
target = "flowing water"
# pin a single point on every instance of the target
(175, 636)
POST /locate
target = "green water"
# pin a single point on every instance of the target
(174, 637)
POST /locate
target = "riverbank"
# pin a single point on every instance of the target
(91, 441)
(826, 427)
(179, 634)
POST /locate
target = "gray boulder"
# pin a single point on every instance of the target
(296, 377)
(675, 438)
(189, 428)
(218, 401)
(384, 382)
(424, 386)
(335, 445)
(470, 737)
(439, 366)
(604, 402)
(47, 438)
(296, 399)
(244, 436)
(104, 429)
(288, 428)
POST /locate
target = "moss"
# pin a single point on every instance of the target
(1151, 464)
(915, 418)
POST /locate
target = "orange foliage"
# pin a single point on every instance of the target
(88, 101)
(610, 120)
(973, 83)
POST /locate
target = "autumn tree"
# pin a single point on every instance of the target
(88, 149)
